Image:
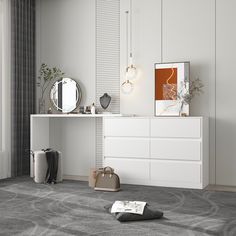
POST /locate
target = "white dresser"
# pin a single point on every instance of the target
(159, 151)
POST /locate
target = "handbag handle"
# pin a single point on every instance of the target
(108, 170)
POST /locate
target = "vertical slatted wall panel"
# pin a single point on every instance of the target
(107, 61)
(99, 143)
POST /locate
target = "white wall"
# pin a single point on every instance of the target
(1, 98)
(225, 91)
(66, 39)
(107, 63)
(171, 31)
(75, 138)
(146, 51)
(198, 31)
(189, 35)
(5, 93)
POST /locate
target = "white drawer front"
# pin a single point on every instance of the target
(176, 127)
(173, 171)
(129, 169)
(126, 147)
(176, 149)
(136, 127)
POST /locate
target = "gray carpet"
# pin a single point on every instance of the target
(72, 208)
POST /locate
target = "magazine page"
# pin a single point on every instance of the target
(135, 207)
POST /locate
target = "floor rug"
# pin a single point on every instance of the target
(72, 208)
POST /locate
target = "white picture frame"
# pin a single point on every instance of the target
(171, 82)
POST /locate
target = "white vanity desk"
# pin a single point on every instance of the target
(161, 151)
(76, 135)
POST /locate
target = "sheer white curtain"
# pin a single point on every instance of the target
(5, 89)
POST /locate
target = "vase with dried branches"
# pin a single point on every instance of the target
(46, 76)
(189, 89)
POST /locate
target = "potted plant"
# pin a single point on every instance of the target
(189, 89)
(46, 76)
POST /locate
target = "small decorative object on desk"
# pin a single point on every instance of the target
(47, 75)
(183, 114)
(105, 101)
(93, 109)
(49, 110)
(73, 112)
(42, 106)
(87, 109)
(81, 110)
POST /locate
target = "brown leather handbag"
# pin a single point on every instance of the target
(107, 180)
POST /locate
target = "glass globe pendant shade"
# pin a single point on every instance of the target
(127, 87)
(131, 72)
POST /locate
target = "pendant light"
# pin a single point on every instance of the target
(127, 87)
(130, 71)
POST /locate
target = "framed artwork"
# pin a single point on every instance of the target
(171, 83)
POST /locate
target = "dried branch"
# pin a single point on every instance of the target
(47, 75)
(190, 89)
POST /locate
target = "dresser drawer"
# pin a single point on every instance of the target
(126, 147)
(136, 127)
(129, 169)
(176, 149)
(173, 171)
(176, 127)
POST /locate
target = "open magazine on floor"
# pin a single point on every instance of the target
(135, 207)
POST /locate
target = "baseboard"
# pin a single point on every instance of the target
(76, 177)
(157, 183)
(221, 188)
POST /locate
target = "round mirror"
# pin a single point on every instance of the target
(65, 95)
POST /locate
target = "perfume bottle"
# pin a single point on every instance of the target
(93, 109)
